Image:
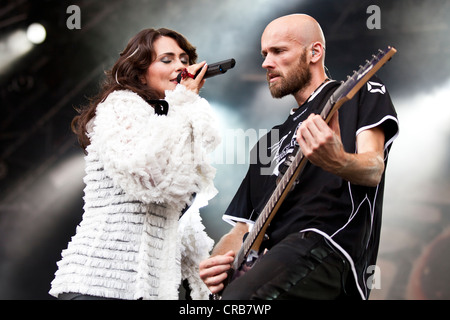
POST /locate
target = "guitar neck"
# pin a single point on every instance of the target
(256, 234)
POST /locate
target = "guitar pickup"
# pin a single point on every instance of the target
(252, 256)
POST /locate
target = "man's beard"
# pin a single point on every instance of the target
(297, 78)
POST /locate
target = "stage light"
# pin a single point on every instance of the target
(36, 33)
(12, 47)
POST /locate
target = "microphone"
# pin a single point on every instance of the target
(214, 69)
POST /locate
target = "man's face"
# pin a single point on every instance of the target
(286, 63)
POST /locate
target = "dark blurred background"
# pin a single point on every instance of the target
(41, 165)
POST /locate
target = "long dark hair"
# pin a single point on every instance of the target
(127, 72)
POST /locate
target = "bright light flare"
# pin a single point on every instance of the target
(36, 33)
(12, 47)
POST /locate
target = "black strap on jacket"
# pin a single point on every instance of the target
(161, 106)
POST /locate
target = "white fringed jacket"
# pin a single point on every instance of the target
(141, 171)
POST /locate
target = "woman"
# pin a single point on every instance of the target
(144, 167)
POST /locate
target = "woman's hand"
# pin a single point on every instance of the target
(195, 84)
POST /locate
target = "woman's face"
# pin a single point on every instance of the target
(170, 60)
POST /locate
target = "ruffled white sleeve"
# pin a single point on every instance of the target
(157, 158)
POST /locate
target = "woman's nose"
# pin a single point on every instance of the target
(180, 65)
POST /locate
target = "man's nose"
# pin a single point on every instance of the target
(267, 63)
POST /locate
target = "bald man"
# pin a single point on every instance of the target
(323, 241)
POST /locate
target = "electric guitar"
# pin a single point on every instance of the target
(250, 248)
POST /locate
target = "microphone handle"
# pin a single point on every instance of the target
(214, 69)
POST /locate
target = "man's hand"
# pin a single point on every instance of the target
(213, 271)
(321, 144)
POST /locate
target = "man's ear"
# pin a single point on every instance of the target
(317, 51)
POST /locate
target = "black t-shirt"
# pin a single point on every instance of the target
(348, 215)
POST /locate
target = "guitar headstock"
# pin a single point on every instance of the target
(354, 82)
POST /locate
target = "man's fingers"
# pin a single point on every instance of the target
(215, 280)
(214, 270)
(227, 258)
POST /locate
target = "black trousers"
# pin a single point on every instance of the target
(301, 266)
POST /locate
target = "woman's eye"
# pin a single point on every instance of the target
(167, 61)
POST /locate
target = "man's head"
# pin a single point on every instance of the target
(293, 48)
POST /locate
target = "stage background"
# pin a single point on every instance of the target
(41, 166)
